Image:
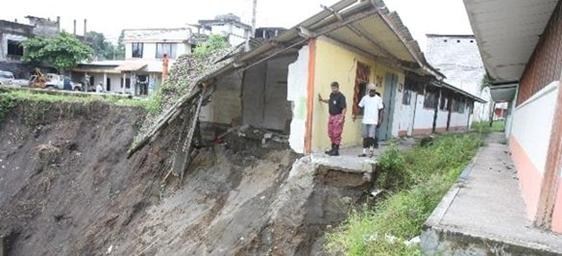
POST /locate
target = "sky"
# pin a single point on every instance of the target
(111, 16)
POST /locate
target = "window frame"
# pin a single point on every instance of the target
(170, 47)
(10, 45)
(360, 87)
(138, 51)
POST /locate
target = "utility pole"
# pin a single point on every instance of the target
(252, 31)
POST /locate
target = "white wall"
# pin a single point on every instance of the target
(149, 50)
(115, 81)
(532, 124)
(459, 59)
(442, 117)
(404, 114)
(460, 119)
(297, 81)
(424, 116)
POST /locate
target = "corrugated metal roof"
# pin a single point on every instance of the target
(366, 25)
(507, 32)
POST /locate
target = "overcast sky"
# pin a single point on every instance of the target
(111, 16)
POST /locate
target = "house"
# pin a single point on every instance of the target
(228, 26)
(521, 45)
(353, 43)
(141, 72)
(458, 58)
(13, 33)
(154, 43)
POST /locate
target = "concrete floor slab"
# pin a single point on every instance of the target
(484, 213)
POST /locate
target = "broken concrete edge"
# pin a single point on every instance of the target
(457, 240)
(439, 211)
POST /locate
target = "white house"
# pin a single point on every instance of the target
(229, 26)
(141, 71)
(154, 43)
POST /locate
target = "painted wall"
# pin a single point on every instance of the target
(326, 71)
(529, 142)
(115, 81)
(297, 95)
(225, 106)
(423, 124)
(264, 95)
(459, 59)
(149, 51)
(404, 115)
(459, 121)
(557, 216)
(442, 117)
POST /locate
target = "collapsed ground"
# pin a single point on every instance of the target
(67, 188)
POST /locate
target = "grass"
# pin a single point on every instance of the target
(417, 180)
(8, 98)
(484, 127)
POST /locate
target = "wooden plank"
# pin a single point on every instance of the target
(182, 157)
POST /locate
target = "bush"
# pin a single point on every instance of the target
(418, 179)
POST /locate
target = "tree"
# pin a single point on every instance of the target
(120, 49)
(102, 48)
(215, 42)
(63, 51)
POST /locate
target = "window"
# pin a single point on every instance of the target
(108, 84)
(127, 83)
(408, 91)
(15, 48)
(445, 102)
(137, 49)
(459, 104)
(361, 80)
(166, 48)
(431, 99)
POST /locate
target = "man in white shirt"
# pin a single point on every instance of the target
(372, 118)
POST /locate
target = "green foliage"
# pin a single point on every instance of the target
(8, 99)
(395, 174)
(101, 47)
(484, 126)
(214, 43)
(427, 173)
(7, 102)
(63, 51)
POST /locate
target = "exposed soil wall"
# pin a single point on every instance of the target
(67, 188)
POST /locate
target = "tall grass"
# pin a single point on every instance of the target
(417, 179)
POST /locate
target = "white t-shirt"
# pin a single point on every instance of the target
(371, 106)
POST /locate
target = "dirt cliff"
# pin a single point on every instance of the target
(67, 188)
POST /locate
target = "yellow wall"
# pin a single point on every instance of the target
(334, 63)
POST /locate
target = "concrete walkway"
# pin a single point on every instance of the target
(484, 213)
(350, 161)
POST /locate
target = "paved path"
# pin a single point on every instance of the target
(487, 205)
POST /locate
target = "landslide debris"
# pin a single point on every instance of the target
(67, 188)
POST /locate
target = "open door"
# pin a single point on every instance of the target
(390, 88)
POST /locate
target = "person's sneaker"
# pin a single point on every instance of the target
(363, 155)
(329, 152)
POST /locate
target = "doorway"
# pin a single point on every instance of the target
(385, 130)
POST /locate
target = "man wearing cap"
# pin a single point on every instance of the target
(372, 118)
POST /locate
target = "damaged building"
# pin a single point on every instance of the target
(13, 33)
(276, 84)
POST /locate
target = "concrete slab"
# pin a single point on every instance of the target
(484, 213)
